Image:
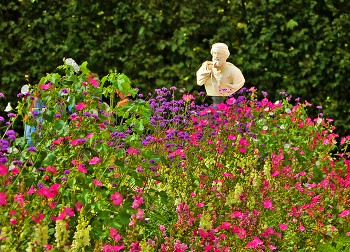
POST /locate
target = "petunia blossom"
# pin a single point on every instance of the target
(283, 227)
(94, 160)
(3, 170)
(80, 106)
(117, 198)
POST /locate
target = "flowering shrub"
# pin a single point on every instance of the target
(167, 175)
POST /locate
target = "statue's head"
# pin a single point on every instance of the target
(220, 53)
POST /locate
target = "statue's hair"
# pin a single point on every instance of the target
(221, 47)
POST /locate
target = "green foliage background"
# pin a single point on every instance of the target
(296, 46)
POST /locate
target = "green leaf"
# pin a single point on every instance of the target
(163, 197)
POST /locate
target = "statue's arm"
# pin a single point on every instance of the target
(204, 73)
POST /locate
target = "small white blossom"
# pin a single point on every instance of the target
(288, 111)
(270, 113)
(319, 120)
(282, 126)
(267, 109)
(286, 146)
(277, 102)
(265, 127)
(8, 108)
(25, 89)
(71, 62)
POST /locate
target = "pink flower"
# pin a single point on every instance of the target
(200, 204)
(254, 243)
(90, 135)
(81, 168)
(97, 183)
(348, 234)
(208, 247)
(161, 227)
(222, 106)
(80, 106)
(345, 213)
(15, 171)
(117, 198)
(225, 225)
(242, 149)
(194, 119)
(232, 137)
(268, 204)
(48, 247)
(58, 141)
(202, 233)
(78, 206)
(243, 142)
(45, 86)
(272, 247)
(3, 170)
(242, 234)
(283, 227)
(93, 82)
(12, 212)
(31, 190)
(187, 98)
(302, 228)
(140, 213)
(73, 142)
(40, 217)
(94, 160)
(52, 205)
(231, 101)
(252, 89)
(13, 221)
(236, 214)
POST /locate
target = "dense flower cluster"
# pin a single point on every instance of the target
(168, 175)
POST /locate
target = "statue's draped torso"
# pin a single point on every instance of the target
(230, 78)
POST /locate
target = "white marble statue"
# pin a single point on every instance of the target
(220, 78)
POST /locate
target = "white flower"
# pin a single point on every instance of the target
(286, 146)
(265, 127)
(277, 102)
(319, 120)
(288, 111)
(267, 109)
(8, 108)
(25, 89)
(71, 62)
(271, 113)
(282, 126)
(93, 112)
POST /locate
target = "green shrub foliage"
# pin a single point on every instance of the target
(296, 46)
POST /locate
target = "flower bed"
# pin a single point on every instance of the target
(172, 176)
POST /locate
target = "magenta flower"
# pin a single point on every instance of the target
(73, 142)
(13, 221)
(39, 218)
(344, 213)
(97, 183)
(283, 227)
(268, 204)
(94, 160)
(3, 198)
(90, 135)
(80, 106)
(117, 198)
(242, 149)
(81, 168)
(302, 228)
(31, 190)
(140, 214)
(3, 170)
(78, 206)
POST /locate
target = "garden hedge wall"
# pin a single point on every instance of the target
(296, 46)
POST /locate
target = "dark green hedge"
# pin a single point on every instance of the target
(296, 46)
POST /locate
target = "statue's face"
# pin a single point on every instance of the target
(218, 58)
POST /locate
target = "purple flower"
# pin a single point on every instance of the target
(139, 169)
(57, 116)
(319, 107)
(7, 123)
(152, 168)
(64, 179)
(11, 115)
(66, 172)
(152, 161)
(1, 119)
(40, 185)
(1, 95)
(3, 160)
(32, 149)
(30, 163)
(65, 91)
(111, 168)
(114, 185)
(19, 162)
(173, 88)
